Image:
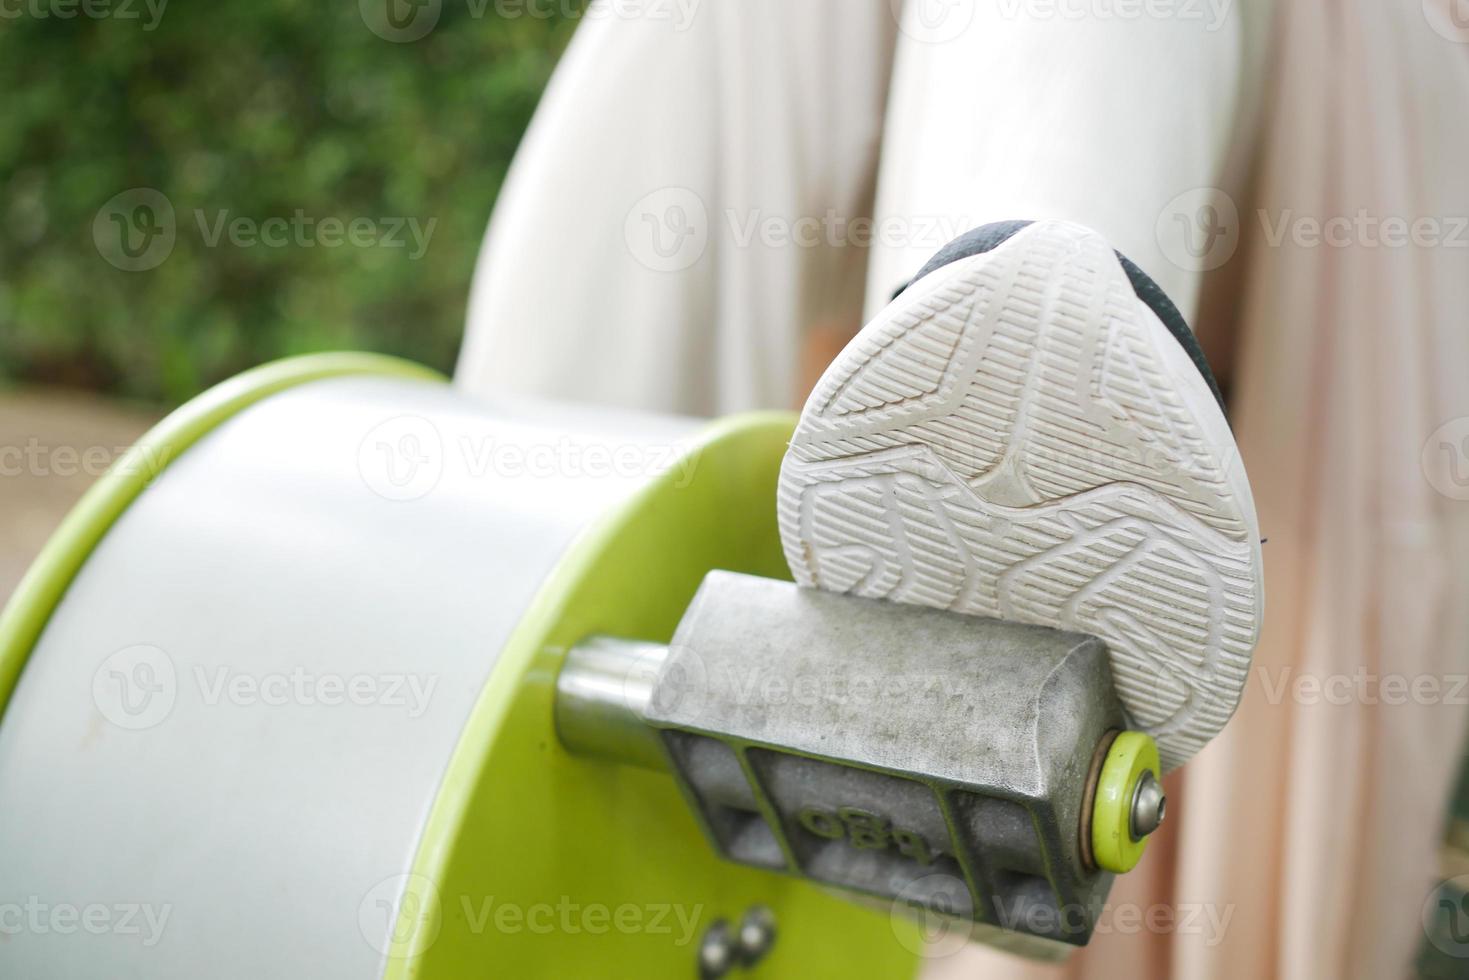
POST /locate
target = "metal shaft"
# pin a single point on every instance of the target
(602, 695)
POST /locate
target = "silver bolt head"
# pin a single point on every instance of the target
(718, 951)
(1149, 805)
(756, 935)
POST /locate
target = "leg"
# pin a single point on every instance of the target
(1011, 109)
(661, 242)
(955, 453)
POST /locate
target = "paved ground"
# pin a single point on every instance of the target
(53, 444)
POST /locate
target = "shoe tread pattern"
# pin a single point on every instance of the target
(1012, 438)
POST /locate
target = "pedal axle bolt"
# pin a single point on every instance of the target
(1148, 807)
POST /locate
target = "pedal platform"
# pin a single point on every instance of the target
(968, 767)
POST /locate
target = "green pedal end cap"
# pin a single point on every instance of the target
(1129, 802)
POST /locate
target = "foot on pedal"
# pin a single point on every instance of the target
(1029, 432)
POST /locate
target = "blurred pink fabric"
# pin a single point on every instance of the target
(1315, 826)
(1303, 842)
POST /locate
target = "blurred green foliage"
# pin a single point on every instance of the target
(261, 108)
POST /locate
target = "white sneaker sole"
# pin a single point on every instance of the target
(1019, 436)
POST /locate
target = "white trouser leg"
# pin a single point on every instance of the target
(664, 240)
(1095, 111)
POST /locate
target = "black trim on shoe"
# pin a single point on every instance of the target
(990, 236)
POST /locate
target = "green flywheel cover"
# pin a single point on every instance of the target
(46, 581)
(604, 866)
(612, 853)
